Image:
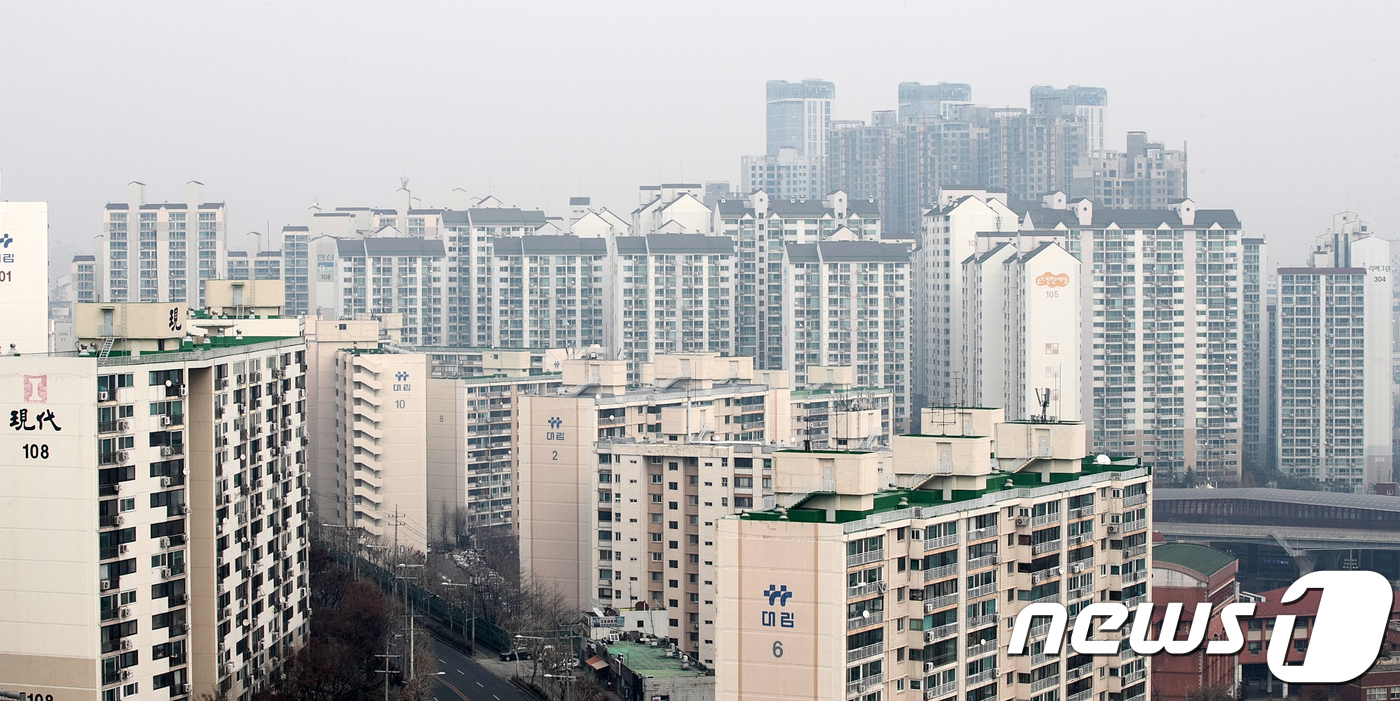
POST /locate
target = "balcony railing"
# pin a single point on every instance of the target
(1077, 538)
(862, 558)
(1079, 593)
(940, 542)
(1134, 601)
(941, 633)
(980, 562)
(982, 648)
(985, 675)
(862, 621)
(1048, 598)
(1135, 551)
(1081, 511)
(938, 692)
(1045, 519)
(1133, 677)
(1084, 695)
(864, 683)
(1040, 685)
(1133, 577)
(1135, 499)
(940, 572)
(1130, 526)
(864, 589)
(984, 590)
(861, 653)
(938, 602)
(1082, 670)
(980, 533)
(1045, 547)
(979, 621)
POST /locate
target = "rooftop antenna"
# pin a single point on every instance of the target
(1042, 397)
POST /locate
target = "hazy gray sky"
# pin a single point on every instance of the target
(1290, 109)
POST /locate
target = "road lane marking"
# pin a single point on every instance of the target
(481, 685)
(455, 689)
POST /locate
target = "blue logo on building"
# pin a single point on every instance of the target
(402, 377)
(555, 422)
(776, 593)
(554, 435)
(5, 240)
(771, 619)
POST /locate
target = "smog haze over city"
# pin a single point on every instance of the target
(278, 106)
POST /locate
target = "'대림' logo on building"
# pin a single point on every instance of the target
(554, 434)
(1345, 640)
(1053, 280)
(402, 378)
(777, 596)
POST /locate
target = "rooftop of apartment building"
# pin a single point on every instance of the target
(795, 207)
(995, 485)
(657, 661)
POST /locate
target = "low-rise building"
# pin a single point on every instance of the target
(1191, 574)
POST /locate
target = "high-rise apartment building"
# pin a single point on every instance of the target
(671, 208)
(1254, 352)
(392, 274)
(799, 116)
(83, 270)
(1032, 154)
(24, 272)
(1022, 314)
(160, 252)
(948, 236)
(865, 162)
(674, 293)
(923, 580)
(620, 487)
(938, 99)
(1145, 176)
(786, 174)
(1088, 104)
(1334, 360)
(155, 538)
(760, 228)
(548, 291)
(846, 303)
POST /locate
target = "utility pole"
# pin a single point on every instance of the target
(386, 671)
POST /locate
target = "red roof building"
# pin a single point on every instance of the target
(1191, 574)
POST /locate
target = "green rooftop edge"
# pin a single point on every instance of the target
(890, 500)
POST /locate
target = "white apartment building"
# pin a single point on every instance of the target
(949, 237)
(1022, 316)
(164, 252)
(761, 227)
(154, 525)
(671, 208)
(846, 303)
(24, 272)
(393, 274)
(924, 580)
(548, 291)
(1333, 338)
(672, 293)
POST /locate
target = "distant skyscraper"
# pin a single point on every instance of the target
(1089, 104)
(1334, 371)
(919, 99)
(799, 115)
(1145, 176)
(161, 252)
(787, 174)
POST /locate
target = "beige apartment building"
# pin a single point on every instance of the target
(405, 446)
(152, 522)
(620, 487)
(852, 590)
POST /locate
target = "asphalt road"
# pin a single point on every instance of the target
(468, 681)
